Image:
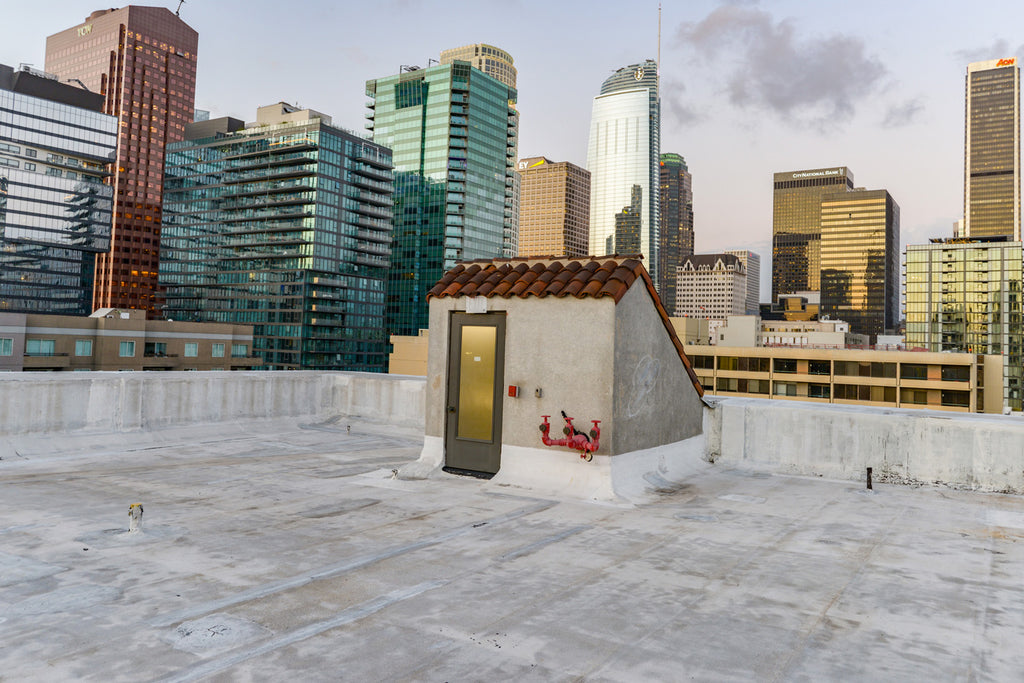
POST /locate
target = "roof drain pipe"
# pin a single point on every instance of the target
(574, 438)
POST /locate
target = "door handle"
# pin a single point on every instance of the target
(451, 409)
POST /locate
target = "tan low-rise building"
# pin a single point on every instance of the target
(897, 379)
(116, 339)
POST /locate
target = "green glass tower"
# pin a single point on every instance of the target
(452, 130)
(284, 224)
(964, 295)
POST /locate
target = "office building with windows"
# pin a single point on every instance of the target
(860, 278)
(284, 224)
(992, 150)
(965, 296)
(711, 286)
(554, 208)
(624, 153)
(56, 147)
(752, 265)
(118, 340)
(453, 131)
(676, 230)
(493, 61)
(953, 382)
(142, 60)
(796, 226)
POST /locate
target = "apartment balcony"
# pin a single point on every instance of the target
(370, 155)
(46, 361)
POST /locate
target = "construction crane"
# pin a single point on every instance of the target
(177, 12)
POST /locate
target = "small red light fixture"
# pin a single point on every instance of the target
(513, 391)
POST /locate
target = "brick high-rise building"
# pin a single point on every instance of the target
(143, 61)
(554, 208)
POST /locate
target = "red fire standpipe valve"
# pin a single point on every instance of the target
(573, 439)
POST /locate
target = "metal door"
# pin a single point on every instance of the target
(476, 371)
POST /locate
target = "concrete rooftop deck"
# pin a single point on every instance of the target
(288, 551)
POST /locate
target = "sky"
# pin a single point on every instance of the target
(748, 88)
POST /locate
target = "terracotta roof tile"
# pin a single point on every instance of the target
(561, 277)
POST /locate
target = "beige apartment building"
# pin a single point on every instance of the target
(897, 379)
(121, 339)
(554, 208)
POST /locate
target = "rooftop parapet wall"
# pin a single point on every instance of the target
(111, 402)
(966, 451)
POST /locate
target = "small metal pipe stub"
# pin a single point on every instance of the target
(135, 517)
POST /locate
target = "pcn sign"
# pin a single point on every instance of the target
(1007, 62)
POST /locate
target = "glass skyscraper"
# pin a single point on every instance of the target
(860, 259)
(624, 151)
(676, 232)
(56, 146)
(965, 296)
(143, 61)
(453, 131)
(284, 225)
(992, 150)
(796, 226)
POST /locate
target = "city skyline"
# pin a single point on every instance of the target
(738, 110)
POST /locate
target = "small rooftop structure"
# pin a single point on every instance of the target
(515, 342)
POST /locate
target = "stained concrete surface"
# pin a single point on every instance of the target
(288, 551)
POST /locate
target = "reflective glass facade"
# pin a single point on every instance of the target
(965, 296)
(286, 227)
(55, 210)
(676, 232)
(143, 61)
(796, 226)
(624, 151)
(453, 131)
(860, 238)
(554, 208)
(992, 150)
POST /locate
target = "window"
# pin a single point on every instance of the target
(956, 373)
(956, 398)
(6, 346)
(785, 365)
(127, 349)
(913, 397)
(785, 388)
(157, 349)
(218, 351)
(29, 166)
(913, 371)
(40, 347)
(191, 349)
(83, 347)
(239, 350)
(817, 391)
(702, 362)
(818, 367)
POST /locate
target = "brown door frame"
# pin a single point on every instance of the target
(473, 455)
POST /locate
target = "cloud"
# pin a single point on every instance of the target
(899, 115)
(816, 81)
(999, 48)
(680, 111)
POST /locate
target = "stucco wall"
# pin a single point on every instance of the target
(655, 401)
(561, 346)
(901, 446)
(117, 401)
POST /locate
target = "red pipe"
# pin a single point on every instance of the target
(573, 439)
